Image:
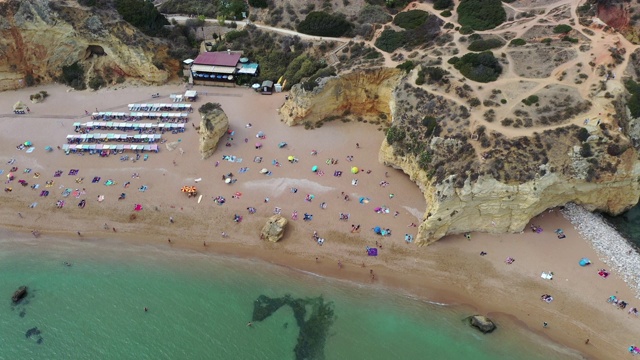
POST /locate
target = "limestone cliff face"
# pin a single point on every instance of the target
(213, 127)
(38, 37)
(492, 206)
(364, 93)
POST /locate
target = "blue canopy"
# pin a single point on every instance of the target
(377, 230)
(584, 262)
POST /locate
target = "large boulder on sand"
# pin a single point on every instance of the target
(273, 230)
(483, 323)
(19, 294)
(213, 126)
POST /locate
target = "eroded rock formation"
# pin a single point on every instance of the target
(366, 93)
(213, 125)
(482, 323)
(19, 294)
(38, 38)
(273, 230)
(500, 187)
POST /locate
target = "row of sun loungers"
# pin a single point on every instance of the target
(150, 138)
(159, 107)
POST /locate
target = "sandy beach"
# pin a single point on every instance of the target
(450, 271)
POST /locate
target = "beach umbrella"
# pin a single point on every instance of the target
(354, 170)
(27, 143)
(264, 171)
(290, 158)
(227, 180)
(258, 144)
(584, 262)
(377, 230)
(184, 189)
(314, 168)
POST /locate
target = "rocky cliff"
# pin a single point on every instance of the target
(213, 126)
(485, 181)
(39, 37)
(364, 93)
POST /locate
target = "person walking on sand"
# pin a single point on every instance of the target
(339, 264)
(171, 219)
(79, 234)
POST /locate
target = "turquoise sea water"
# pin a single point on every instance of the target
(199, 306)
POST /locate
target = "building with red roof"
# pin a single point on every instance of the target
(219, 67)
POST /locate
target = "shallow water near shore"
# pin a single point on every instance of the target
(199, 306)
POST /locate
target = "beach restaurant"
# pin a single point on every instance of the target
(221, 68)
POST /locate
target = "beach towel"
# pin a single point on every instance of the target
(96, 179)
(257, 159)
(44, 193)
(57, 173)
(371, 251)
(33, 204)
(100, 198)
(243, 170)
(143, 188)
(138, 207)
(73, 171)
(30, 150)
(547, 275)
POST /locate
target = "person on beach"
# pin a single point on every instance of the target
(114, 229)
(79, 234)
(171, 219)
(339, 264)
(357, 145)
(545, 324)
(249, 324)
(146, 309)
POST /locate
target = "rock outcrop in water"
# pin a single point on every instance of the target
(482, 323)
(485, 181)
(19, 294)
(38, 38)
(213, 126)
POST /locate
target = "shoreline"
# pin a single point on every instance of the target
(448, 271)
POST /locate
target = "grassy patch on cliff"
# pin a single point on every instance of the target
(481, 14)
(422, 35)
(321, 23)
(480, 67)
(143, 15)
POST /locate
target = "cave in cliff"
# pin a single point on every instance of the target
(94, 50)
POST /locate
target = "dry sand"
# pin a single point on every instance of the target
(449, 271)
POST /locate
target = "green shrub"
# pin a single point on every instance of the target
(448, 25)
(503, 101)
(585, 151)
(262, 4)
(633, 103)
(97, 82)
(232, 35)
(433, 74)
(390, 40)
(430, 123)
(582, 134)
(446, 13)
(480, 67)
(73, 75)
(320, 23)
(465, 30)
(483, 45)
(207, 8)
(373, 14)
(410, 19)
(532, 99)
(481, 14)
(406, 66)
(562, 29)
(517, 42)
(395, 134)
(570, 39)
(442, 4)
(546, 41)
(143, 15)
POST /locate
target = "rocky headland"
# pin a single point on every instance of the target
(39, 38)
(473, 178)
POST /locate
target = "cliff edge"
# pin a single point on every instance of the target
(38, 38)
(482, 180)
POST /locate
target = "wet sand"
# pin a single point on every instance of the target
(450, 271)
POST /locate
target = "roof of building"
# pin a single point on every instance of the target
(268, 83)
(219, 58)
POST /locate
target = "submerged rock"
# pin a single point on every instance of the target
(19, 294)
(483, 323)
(32, 332)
